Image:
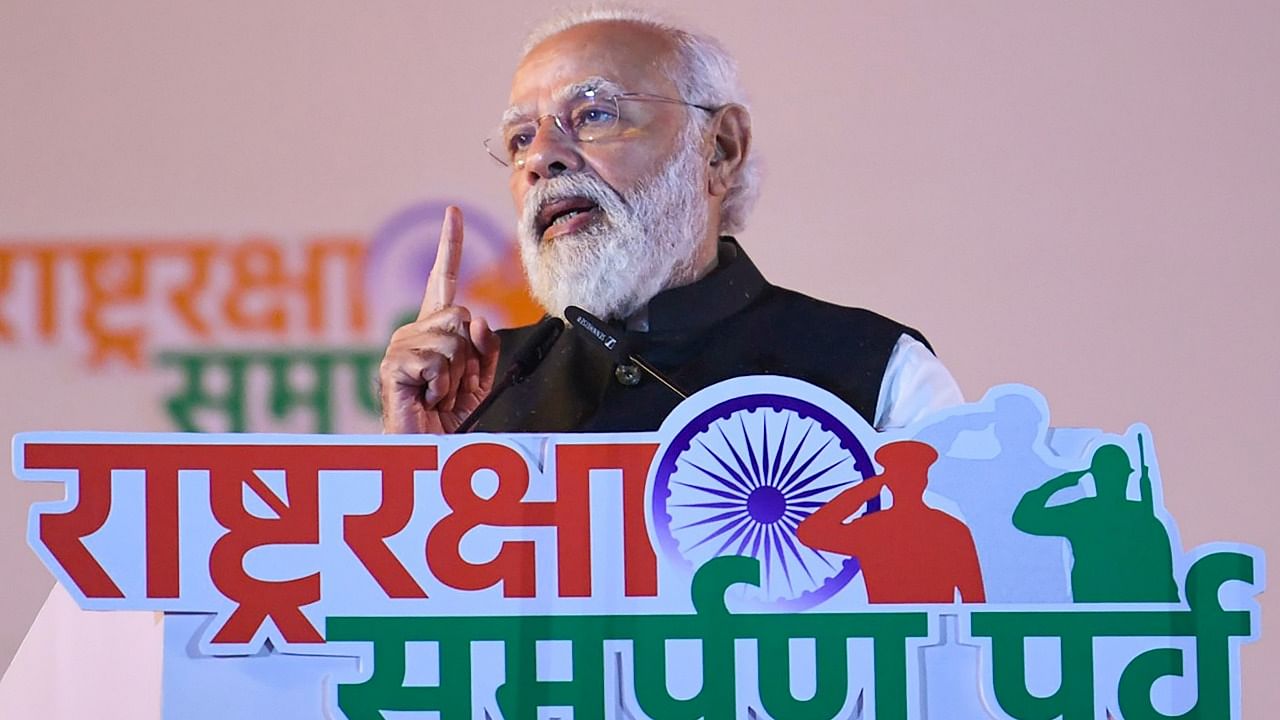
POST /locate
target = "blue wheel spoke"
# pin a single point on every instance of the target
(765, 475)
(791, 545)
(786, 469)
(755, 543)
(737, 458)
(786, 483)
(746, 486)
(782, 441)
(795, 484)
(743, 524)
(818, 490)
(713, 518)
(717, 492)
(753, 533)
(768, 557)
(743, 521)
(710, 505)
(751, 452)
(782, 559)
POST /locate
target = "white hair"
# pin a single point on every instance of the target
(611, 268)
(704, 73)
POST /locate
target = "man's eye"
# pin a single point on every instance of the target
(519, 141)
(595, 116)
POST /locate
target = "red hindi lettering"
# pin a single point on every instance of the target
(296, 522)
(366, 535)
(64, 533)
(574, 464)
(513, 565)
(569, 513)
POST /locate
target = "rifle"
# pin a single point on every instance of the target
(1144, 480)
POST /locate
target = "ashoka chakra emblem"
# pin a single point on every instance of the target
(739, 478)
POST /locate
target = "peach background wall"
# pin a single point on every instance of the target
(1081, 196)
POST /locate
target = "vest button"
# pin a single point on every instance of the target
(628, 375)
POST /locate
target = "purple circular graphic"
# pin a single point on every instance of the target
(739, 478)
(403, 249)
(766, 504)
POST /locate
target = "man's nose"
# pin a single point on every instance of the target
(552, 152)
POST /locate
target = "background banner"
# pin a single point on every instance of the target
(210, 216)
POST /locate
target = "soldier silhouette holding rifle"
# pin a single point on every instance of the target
(1120, 548)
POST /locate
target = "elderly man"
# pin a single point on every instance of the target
(629, 146)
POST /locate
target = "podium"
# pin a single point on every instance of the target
(764, 553)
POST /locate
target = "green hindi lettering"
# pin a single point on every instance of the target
(524, 691)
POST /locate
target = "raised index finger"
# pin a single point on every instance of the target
(442, 283)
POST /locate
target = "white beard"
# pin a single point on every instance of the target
(643, 243)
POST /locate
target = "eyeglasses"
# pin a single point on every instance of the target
(590, 117)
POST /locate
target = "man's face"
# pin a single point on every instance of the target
(630, 56)
(607, 224)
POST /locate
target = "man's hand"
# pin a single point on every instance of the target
(438, 368)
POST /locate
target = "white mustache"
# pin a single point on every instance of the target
(565, 186)
(646, 239)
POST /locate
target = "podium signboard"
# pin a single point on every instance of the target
(764, 554)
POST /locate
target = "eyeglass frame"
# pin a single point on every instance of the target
(537, 122)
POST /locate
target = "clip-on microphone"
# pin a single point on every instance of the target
(523, 362)
(607, 338)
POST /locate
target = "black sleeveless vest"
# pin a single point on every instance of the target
(730, 323)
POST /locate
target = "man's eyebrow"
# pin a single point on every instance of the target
(597, 84)
(601, 85)
(515, 114)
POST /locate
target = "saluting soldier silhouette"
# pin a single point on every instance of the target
(1121, 551)
(989, 459)
(910, 552)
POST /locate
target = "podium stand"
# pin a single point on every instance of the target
(764, 554)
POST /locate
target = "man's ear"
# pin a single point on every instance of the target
(731, 141)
